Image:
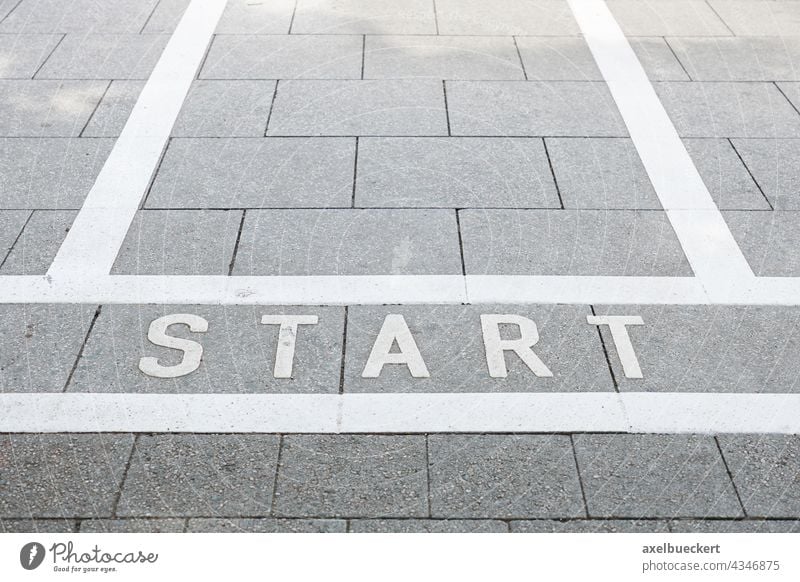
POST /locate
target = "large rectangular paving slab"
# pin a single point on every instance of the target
(571, 242)
(21, 55)
(633, 476)
(428, 526)
(39, 242)
(53, 173)
(532, 108)
(568, 58)
(225, 108)
(104, 56)
(377, 107)
(753, 18)
(39, 345)
(349, 242)
(53, 16)
(58, 475)
(441, 57)
(775, 165)
(200, 475)
(454, 173)
(284, 57)
(255, 173)
(179, 242)
(47, 108)
(766, 470)
(239, 351)
(451, 343)
(503, 476)
(710, 349)
(505, 17)
(770, 241)
(352, 476)
(727, 109)
(364, 17)
(672, 18)
(265, 525)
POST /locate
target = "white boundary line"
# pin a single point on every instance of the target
(635, 412)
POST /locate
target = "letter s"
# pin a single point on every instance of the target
(192, 351)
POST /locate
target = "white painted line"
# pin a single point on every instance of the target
(706, 240)
(99, 230)
(674, 413)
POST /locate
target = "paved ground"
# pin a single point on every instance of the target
(406, 138)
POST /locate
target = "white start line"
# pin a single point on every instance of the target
(80, 274)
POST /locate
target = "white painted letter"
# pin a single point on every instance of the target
(496, 346)
(192, 351)
(395, 329)
(287, 334)
(622, 341)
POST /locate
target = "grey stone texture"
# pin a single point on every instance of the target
(38, 525)
(238, 351)
(255, 173)
(749, 18)
(769, 241)
(766, 470)
(532, 108)
(114, 109)
(11, 225)
(377, 107)
(39, 242)
(454, 173)
(167, 14)
(266, 525)
(503, 476)
(590, 526)
(742, 349)
(570, 242)
(247, 17)
(427, 526)
(39, 345)
(54, 16)
(673, 18)
(167, 525)
(775, 165)
(348, 242)
(568, 346)
(200, 475)
(56, 475)
(364, 17)
(734, 526)
(352, 476)
(21, 55)
(668, 476)
(505, 17)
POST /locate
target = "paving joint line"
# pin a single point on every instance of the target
(47, 58)
(519, 55)
(236, 243)
(78, 357)
(752, 177)
(580, 478)
(446, 109)
(17, 238)
(553, 174)
(271, 106)
(605, 353)
(428, 474)
(273, 499)
(344, 345)
(118, 496)
(730, 476)
(94, 110)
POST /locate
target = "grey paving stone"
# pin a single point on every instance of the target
(167, 14)
(21, 55)
(39, 345)
(769, 241)
(571, 242)
(284, 57)
(503, 476)
(654, 476)
(400, 107)
(114, 109)
(728, 109)
(38, 525)
(40, 240)
(427, 526)
(792, 93)
(104, 56)
(179, 242)
(255, 173)
(441, 57)
(569, 59)
(739, 58)
(11, 224)
(132, 526)
(532, 108)
(505, 17)
(238, 351)
(734, 526)
(775, 164)
(266, 525)
(57, 475)
(568, 346)
(352, 476)
(589, 526)
(766, 470)
(710, 349)
(200, 475)
(78, 16)
(225, 109)
(672, 18)
(746, 17)
(454, 173)
(348, 242)
(52, 173)
(47, 108)
(364, 17)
